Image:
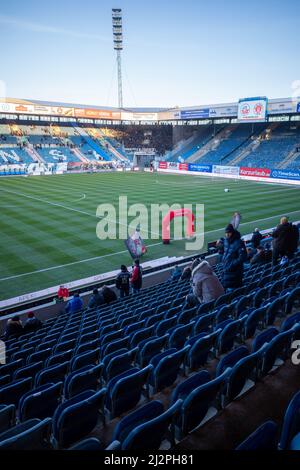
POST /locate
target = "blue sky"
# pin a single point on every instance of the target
(176, 52)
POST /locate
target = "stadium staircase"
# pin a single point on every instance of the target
(212, 144)
(94, 145)
(118, 155)
(251, 146)
(36, 157)
(291, 157)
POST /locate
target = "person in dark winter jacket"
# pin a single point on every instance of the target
(32, 323)
(74, 305)
(206, 285)
(283, 240)
(233, 259)
(108, 294)
(136, 277)
(96, 299)
(13, 327)
(256, 238)
(259, 257)
(122, 281)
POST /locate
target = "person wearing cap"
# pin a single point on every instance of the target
(256, 238)
(122, 281)
(32, 323)
(233, 260)
(283, 240)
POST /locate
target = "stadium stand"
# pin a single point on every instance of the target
(191, 363)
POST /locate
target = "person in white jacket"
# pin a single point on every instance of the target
(206, 285)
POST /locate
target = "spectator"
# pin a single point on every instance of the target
(220, 249)
(108, 294)
(176, 273)
(74, 305)
(251, 252)
(268, 253)
(63, 293)
(256, 238)
(190, 301)
(96, 299)
(13, 327)
(233, 259)
(295, 240)
(283, 240)
(122, 281)
(259, 257)
(186, 273)
(206, 285)
(136, 277)
(32, 323)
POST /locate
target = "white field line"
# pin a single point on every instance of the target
(125, 251)
(56, 204)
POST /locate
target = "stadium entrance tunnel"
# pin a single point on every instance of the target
(190, 228)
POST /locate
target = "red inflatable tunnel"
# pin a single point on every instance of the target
(187, 213)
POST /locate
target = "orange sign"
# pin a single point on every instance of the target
(96, 113)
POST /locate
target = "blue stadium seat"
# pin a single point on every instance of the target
(290, 433)
(276, 348)
(11, 393)
(253, 321)
(59, 358)
(119, 364)
(150, 434)
(227, 337)
(22, 354)
(150, 348)
(7, 417)
(86, 378)
(196, 405)
(124, 391)
(39, 356)
(40, 402)
(263, 438)
(244, 369)
(28, 371)
(184, 388)
(231, 359)
(11, 367)
(4, 380)
(204, 323)
(166, 368)
(264, 337)
(178, 335)
(289, 322)
(200, 349)
(52, 374)
(292, 300)
(33, 434)
(137, 336)
(84, 359)
(77, 417)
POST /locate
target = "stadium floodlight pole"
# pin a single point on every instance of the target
(118, 46)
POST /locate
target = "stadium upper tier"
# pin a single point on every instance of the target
(274, 144)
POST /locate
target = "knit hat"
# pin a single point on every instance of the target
(229, 228)
(30, 315)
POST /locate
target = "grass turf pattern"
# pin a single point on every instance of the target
(48, 224)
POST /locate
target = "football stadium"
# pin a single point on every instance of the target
(150, 272)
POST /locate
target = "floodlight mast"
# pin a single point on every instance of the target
(118, 47)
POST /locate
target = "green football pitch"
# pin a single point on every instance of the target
(48, 224)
